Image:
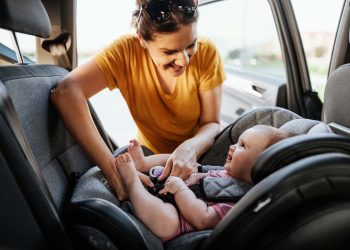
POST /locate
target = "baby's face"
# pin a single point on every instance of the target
(242, 156)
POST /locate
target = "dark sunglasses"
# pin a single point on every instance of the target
(159, 10)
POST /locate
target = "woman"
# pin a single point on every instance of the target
(170, 79)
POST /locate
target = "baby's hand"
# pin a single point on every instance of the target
(172, 185)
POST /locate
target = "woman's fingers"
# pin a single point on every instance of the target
(176, 169)
(166, 171)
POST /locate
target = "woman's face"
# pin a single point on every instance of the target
(171, 52)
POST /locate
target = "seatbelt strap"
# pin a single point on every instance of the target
(58, 47)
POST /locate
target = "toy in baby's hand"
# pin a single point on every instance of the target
(154, 173)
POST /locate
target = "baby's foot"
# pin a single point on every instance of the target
(137, 155)
(126, 169)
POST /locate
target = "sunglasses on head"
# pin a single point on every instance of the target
(159, 10)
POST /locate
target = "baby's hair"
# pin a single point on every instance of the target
(273, 134)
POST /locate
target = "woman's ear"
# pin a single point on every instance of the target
(141, 40)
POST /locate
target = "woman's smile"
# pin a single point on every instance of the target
(174, 69)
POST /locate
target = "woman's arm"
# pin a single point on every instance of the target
(194, 210)
(183, 160)
(70, 98)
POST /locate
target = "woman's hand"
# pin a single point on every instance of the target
(182, 163)
(173, 185)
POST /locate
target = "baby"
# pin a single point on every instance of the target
(162, 218)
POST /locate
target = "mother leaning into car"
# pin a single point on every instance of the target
(170, 79)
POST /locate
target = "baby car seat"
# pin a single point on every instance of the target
(91, 190)
(305, 205)
(301, 198)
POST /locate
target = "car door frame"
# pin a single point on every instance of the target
(342, 41)
(301, 99)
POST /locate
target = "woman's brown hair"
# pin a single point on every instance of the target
(147, 27)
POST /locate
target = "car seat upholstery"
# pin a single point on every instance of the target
(30, 215)
(56, 153)
(336, 98)
(38, 154)
(55, 157)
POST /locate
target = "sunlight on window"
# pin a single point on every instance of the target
(318, 35)
(96, 30)
(246, 43)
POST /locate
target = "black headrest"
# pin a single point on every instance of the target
(25, 16)
(295, 148)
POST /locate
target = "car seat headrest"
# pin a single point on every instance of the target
(336, 97)
(295, 148)
(273, 116)
(29, 17)
(305, 126)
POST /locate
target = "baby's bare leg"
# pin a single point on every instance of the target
(145, 163)
(137, 155)
(161, 218)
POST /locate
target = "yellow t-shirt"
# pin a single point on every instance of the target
(164, 120)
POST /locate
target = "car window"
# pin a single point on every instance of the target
(98, 24)
(245, 35)
(7, 51)
(317, 34)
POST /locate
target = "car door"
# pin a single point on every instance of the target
(263, 53)
(307, 30)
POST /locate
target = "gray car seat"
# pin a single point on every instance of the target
(40, 161)
(39, 158)
(336, 100)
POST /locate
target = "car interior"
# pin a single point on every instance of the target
(54, 197)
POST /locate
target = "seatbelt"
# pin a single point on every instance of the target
(58, 47)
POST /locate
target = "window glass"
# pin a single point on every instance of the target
(5, 46)
(245, 34)
(317, 34)
(5, 38)
(26, 44)
(99, 22)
